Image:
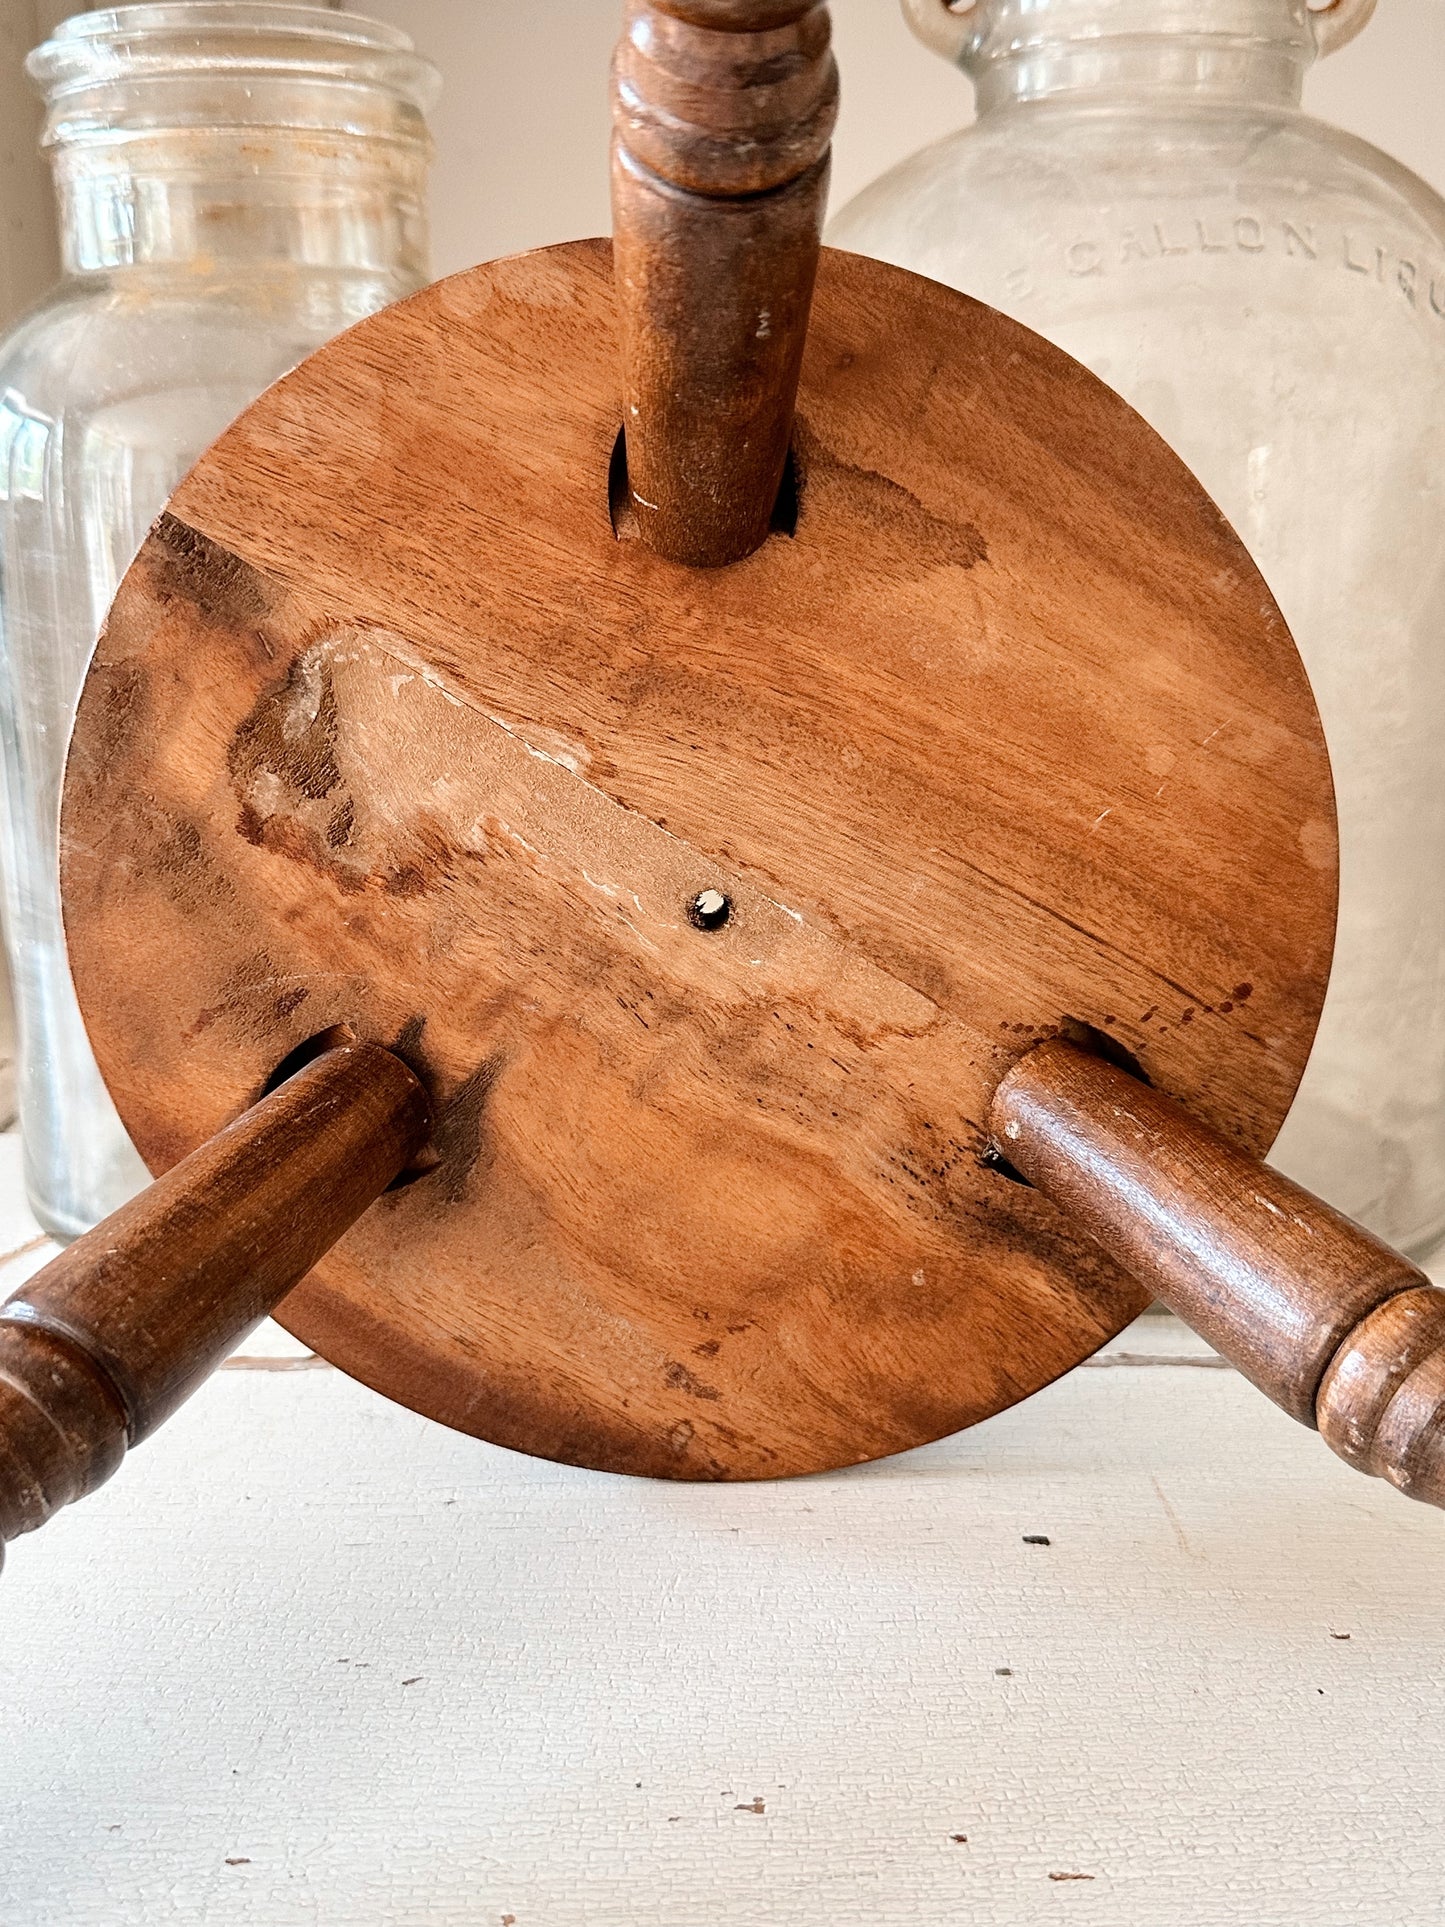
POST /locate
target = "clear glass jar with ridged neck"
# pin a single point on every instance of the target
(237, 182)
(1142, 186)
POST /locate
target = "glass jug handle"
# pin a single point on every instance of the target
(948, 29)
(1334, 24)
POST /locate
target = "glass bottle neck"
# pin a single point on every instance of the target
(1184, 52)
(205, 135)
(1177, 73)
(207, 201)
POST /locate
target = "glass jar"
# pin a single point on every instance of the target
(1142, 186)
(237, 182)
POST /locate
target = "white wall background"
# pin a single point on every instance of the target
(522, 127)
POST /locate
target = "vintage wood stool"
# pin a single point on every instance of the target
(717, 950)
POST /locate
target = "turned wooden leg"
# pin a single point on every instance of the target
(104, 1343)
(723, 111)
(1332, 1324)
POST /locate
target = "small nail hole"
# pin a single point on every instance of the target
(709, 910)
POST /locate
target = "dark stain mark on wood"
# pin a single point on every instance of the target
(178, 858)
(122, 709)
(903, 522)
(458, 1137)
(287, 741)
(225, 592)
(408, 1038)
(295, 800)
(342, 823)
(680, 1379)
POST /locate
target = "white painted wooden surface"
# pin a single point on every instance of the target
(311, 1660)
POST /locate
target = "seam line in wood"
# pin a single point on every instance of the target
(385, 639)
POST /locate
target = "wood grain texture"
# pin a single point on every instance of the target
(1195, 1694)
(1328, 1321)
(387, 728)
(722, 115)
(104, 1343)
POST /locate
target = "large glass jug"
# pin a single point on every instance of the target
(1142, 186)
(237, 182)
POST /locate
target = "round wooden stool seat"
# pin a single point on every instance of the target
(711, 905)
